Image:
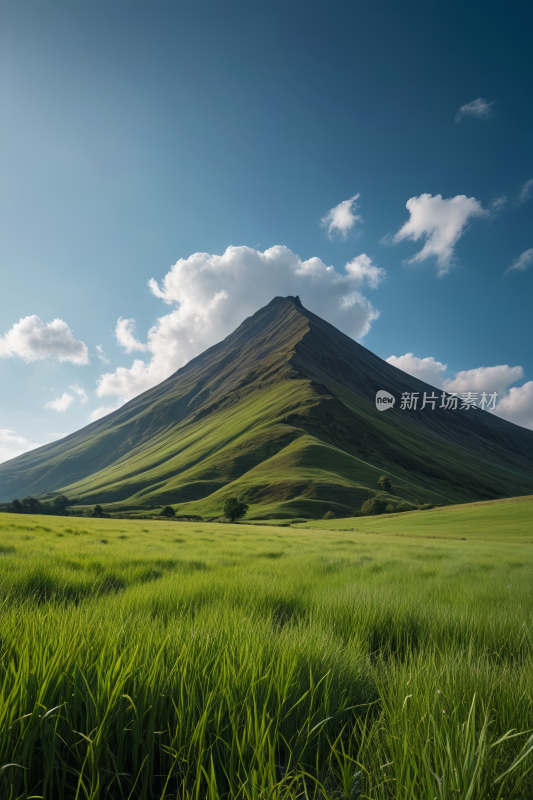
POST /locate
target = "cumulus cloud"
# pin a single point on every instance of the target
(441, 223)
(33, 340)
(60, 403)
(514, 404)
(101, 355)
(80, 391)
(125, 333)
(477, 108)
(342, 218)
(425, 369)
(484, 379)
(517, 405)
(213, 294)
(525, 193)
(13, 445)
(522, 262)
(361, 268)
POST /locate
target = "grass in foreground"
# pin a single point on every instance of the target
(160, 659)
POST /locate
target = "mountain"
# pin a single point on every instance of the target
(281, 413)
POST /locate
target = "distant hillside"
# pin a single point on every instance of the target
(280, 413)
(509, 521)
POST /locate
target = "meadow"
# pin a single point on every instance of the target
(361, 658)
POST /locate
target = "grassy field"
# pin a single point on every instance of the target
(509, 520)
(158, 659)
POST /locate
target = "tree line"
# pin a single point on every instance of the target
(32, 505)
(234, 509)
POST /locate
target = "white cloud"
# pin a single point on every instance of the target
(484, 379)
(441, 223)
(361, 268)
(13, 445)
(103, 411)
(517, 405)
(60, 403)
(33, 340)
(425, 369)
(213, 294)
(499, 203)
(101, 354)
(125, 333)
(525, 192)
(477, 108)
(341, 218)
(522, 262)
(80, 391)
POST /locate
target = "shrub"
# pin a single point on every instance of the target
(329, 515)
(374, 506)
(405, 507)
(391, 508)
(168, 511)
(97, 512)
(426, 507)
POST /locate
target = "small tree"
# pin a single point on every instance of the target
(374, 506)
(97, 512)
(168, 511)
(30, 505)
(234, 509)
(60, 503)
(385, 483)
(329, 515)
(15, 507)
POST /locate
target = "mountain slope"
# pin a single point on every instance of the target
(282, 413)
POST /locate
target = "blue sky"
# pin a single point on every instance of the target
(136, 135)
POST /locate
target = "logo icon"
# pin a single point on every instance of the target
(384, 400)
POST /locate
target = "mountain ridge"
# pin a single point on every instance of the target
(283, 386)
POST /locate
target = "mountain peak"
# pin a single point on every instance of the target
(281, 411)
(295, 299)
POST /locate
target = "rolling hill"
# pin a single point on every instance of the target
(281, 413)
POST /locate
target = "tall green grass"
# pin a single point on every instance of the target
(185, 660)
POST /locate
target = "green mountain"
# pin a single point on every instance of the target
(281, 413)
